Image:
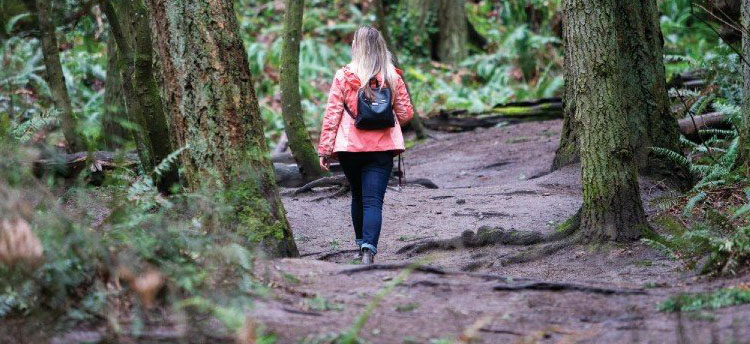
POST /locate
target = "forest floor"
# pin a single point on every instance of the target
(496, 177)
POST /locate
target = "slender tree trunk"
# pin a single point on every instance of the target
(55, 77)
(567, 151)
(381, 23)
(114, 134)
(651, 119)
(744, 159)
(291, 108)
(213, 108)
(612, 208)
(130, 28)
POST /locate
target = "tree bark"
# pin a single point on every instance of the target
(653, 125)
(744, 146)
(55, 78)
(113, 133)
(452, 31)
(448, 44)
(291, 106)
(612, 208)
(130, 28)
(213, 108)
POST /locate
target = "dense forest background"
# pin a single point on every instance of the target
(110, 209)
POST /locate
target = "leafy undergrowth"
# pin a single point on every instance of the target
(708, 227)
(724, 297)
(121, 255)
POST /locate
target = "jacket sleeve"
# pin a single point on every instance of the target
(402, 106)
(332, 117)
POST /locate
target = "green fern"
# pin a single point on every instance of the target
(672, 156)
(166, 164)
(693, 201)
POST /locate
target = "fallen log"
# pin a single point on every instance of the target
(543, 109)
(69, 165)
(463, 120)
(692, 80)
(689, 126)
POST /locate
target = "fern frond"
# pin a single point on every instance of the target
(679, 59)
(660, 247)
(701, 104)
(166, 164)
(672, 156)
(686, 143)
(718, 132)
(693, 202)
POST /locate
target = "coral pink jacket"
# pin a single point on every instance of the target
(339, 133)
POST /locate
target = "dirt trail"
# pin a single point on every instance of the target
(494, 177)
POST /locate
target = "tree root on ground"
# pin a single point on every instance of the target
(542, 244)
(340, 181)
(555, 286)
(341, 192)
(506, 283)
(324, 255)
(337, 180)
(487, 236)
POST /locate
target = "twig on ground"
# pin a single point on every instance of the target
(297, 311)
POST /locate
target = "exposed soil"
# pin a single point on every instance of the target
(496, 177)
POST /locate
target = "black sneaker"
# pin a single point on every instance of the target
(367, 256)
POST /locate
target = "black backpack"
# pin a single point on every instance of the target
(374, 114)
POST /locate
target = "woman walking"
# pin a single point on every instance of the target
(367, 105)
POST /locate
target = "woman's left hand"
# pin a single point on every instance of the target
(324, 164)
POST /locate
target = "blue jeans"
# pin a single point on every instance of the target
(368, 174)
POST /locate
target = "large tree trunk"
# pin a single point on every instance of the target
(130, 28)
(452, 31)
(650, 117)
(113, 132)
(449, 18)
(55, 78)
(291, 106)
(612, 208)
(213, 108)
(744, 159)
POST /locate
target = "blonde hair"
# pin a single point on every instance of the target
(370, 57)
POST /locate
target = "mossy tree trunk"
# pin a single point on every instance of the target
(645, 94)
(113, 132)
(612, 208)
(291, 107)
(213, 108)
(130, 29)
(54, 75)
(744, 159)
